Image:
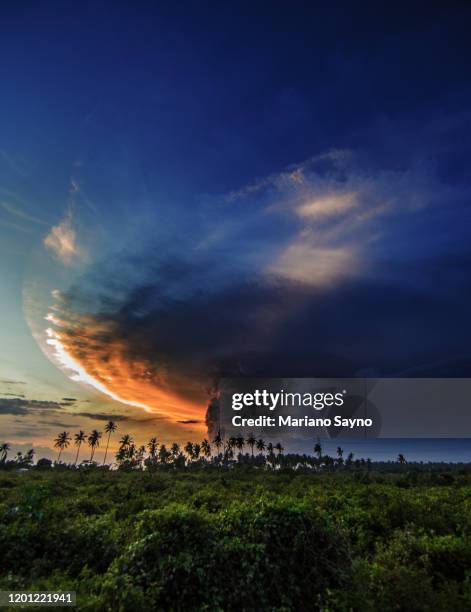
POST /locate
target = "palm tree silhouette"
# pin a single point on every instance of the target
(196, 451)
(141, 451)
(110, 427)
(260, 445)
(318, 450)
(188, 448)
(218, 441)
(62, 441)
(78, 439)
(93, 442)
(164, 454)
(29, 457)
(279, 448)
(175, 450)
(4, 448)
(240, 442)
(401, 459)
(152, 447)
(125, 441)
(251, 441)
(206, 448)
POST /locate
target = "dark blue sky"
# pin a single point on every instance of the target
(217, 93)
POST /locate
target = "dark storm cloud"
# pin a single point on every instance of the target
(100, 416)
(332, 267)
(290, 329)
(21, 406)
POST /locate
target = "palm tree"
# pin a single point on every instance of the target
(126, 441)
(196, 451)
(329, 461)
(164, 454)
(280, 449)
(126, 450)
(218, 441)
(29, 457)
(140, 455)
(110, 427)
(401, 459)
(62, 441)
(339, 455)
(175, 450)
(240, 442)
(78, 439)
(93, 442)
(152, 447)
(251, 441)
(4, 448)
(206, 448)
(188, 448)
(318, 450)
(260, 445)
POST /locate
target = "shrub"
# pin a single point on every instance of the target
(249, 558)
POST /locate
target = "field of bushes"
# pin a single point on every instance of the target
(240, 539)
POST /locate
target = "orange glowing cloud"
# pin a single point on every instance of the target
(88, 350)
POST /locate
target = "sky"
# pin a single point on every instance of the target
(200, 189)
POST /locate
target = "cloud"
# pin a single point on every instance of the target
(19, 395)
(16, 211)
(62, 242)
(100, 416)
(22, 406)
(306, 263)
(55, 423)
(328, 205)
(15, 226)
(327, 268)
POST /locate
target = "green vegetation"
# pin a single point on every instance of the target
(241, 537)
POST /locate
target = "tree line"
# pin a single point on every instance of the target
(221, 451)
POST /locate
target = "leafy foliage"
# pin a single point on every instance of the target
(240, 539)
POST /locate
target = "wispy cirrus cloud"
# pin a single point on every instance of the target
(16, 211)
